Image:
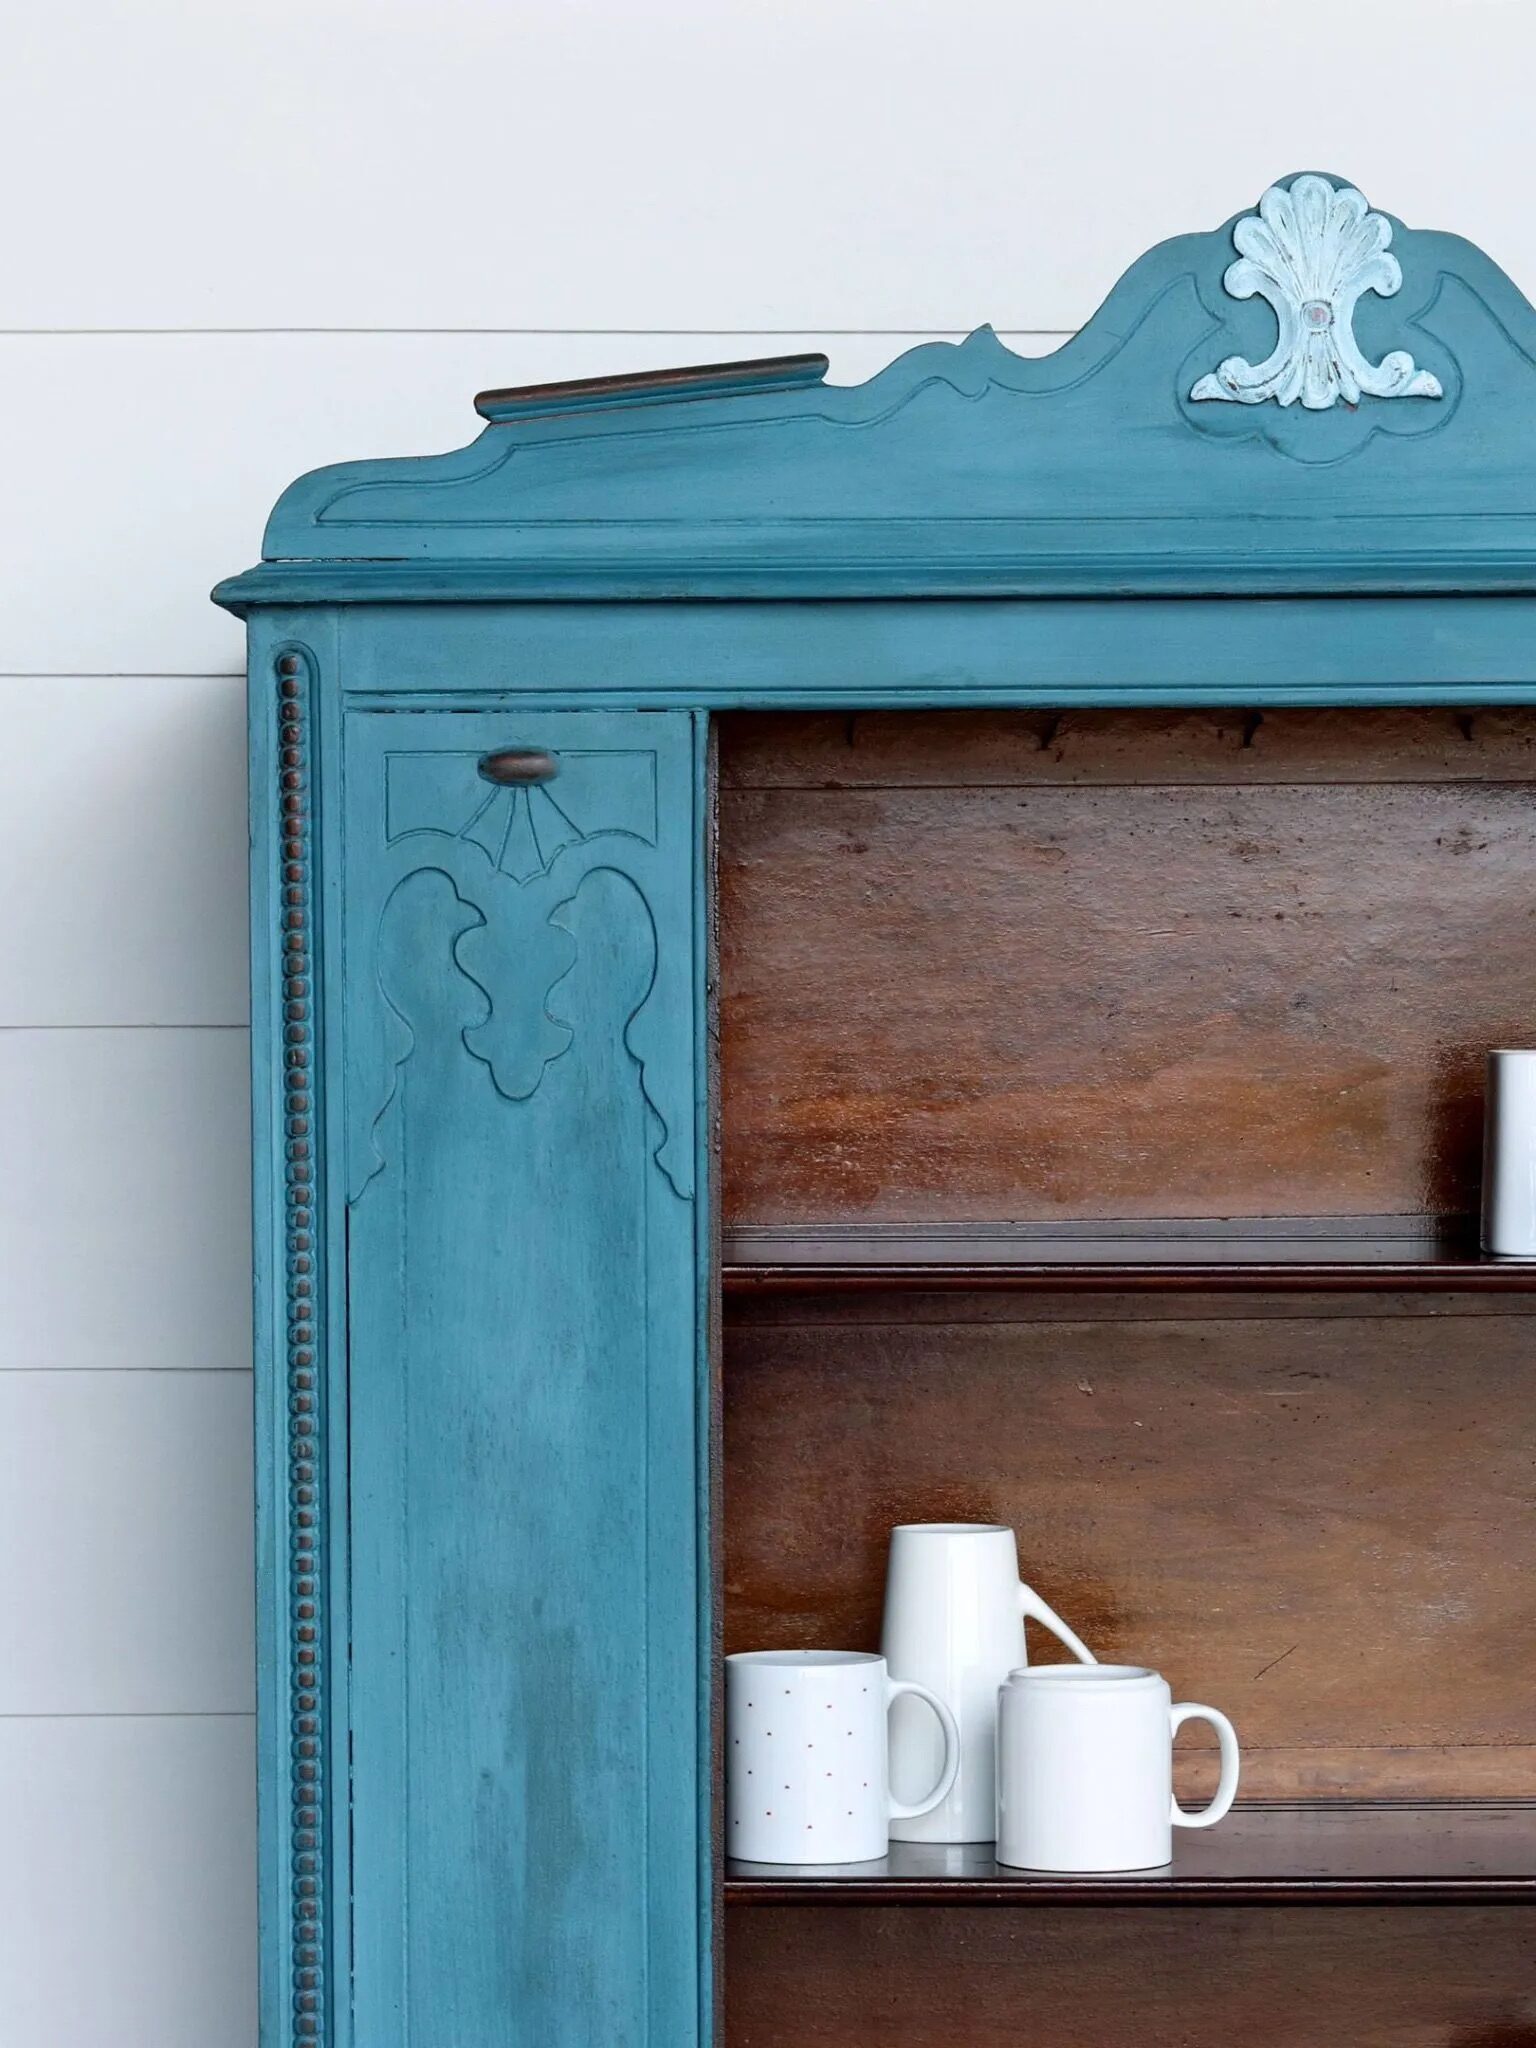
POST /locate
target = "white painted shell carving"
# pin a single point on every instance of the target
(1312, 252)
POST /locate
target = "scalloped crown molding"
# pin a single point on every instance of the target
(1139, 457)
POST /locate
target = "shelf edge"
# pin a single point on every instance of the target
(1444, 1276)
(1476, 1891)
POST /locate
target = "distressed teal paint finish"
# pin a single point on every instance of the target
(483, 1231)
(520, 1025)
(1362, 650)
(482, 1407)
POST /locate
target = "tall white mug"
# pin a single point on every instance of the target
(1085, 1769)
(1509, 1156)
(806, 1756)
(954, 1622)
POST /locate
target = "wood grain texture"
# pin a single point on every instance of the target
(915, 1306)
(1089, 749)
(1101, 971)
(1321, 1522)
(1306, 1977)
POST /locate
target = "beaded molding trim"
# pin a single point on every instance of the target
(295, 896)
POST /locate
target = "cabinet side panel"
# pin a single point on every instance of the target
(522, 1037)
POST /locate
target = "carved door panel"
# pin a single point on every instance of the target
(527, 1445)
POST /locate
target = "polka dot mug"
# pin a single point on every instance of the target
(807, 1756)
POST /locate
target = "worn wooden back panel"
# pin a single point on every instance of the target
(1305, 1977)
(1119, 964)
(1314, 1514)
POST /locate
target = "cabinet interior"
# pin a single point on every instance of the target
(1069, 1978)
(1015, 968)
(1101, 1124)
(1315, 1515)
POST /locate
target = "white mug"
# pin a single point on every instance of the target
(1509, 1156)
(954, 1621)
(1085, 1768)
(806, 1756)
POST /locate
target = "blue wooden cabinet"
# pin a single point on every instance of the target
(1289, 462)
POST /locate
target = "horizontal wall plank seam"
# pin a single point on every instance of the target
(175, 1372)
(120, 675)
(555, 333)
(40, 1028)
(154, 675)
(146, 1714)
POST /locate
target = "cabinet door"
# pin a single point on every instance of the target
(527, 1409)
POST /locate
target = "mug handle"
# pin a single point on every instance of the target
(894, 1688)
(1226, 1791)
(1033, 1608)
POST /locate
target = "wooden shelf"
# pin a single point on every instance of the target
(1334, 1277)
(1304, 1254)
(1446, 1854)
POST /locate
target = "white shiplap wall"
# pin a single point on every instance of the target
(246, 238)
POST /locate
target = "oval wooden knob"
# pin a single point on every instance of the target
(514, 765)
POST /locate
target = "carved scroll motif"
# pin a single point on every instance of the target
(515, 860)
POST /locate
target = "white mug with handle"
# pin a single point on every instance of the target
(807, 1773)
(1085, 1768)
(954, 1621)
